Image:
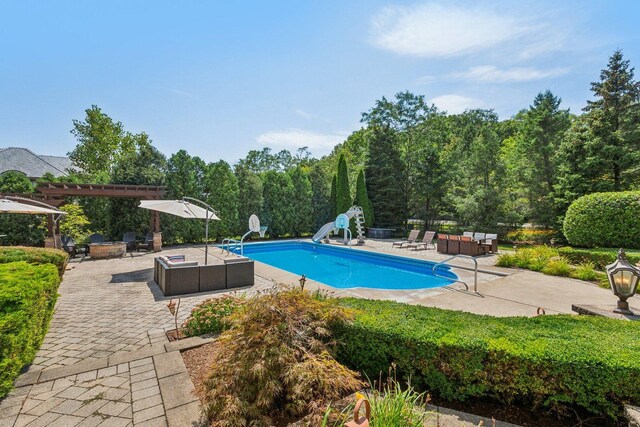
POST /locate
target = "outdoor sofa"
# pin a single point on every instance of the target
(177, 276)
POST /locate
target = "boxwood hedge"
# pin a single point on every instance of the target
(34, 256)
(27, 297)
(555, 361)
(604, 220)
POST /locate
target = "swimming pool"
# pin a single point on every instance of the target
(341, 267)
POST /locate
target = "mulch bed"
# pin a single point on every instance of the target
(198, 361)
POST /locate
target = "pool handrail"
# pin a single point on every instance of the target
(229, 242)
(445, 261)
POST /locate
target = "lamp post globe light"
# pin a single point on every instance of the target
(623, 279)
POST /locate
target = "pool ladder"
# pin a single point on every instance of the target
(231, 244)
(444, 262)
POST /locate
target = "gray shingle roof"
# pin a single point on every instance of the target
(31, 164)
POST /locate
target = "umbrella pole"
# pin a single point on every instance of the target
(206, 238)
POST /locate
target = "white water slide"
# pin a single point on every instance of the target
(328, 227)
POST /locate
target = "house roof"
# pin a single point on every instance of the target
(31, 164)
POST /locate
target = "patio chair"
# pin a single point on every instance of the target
(470, 247)
(478, 236)
(70, 247)
(413, 236)
(491, 243)
(427, 240)
(468, 234)
(96, 238)
(148, 242)
(130, 239)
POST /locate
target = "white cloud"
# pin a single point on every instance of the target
(432, 30)
(456, 104)
(492, 74)
(304, 114)
(318, 143)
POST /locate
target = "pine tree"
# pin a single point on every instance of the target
(385, 178)
(362, 199)
(343, 196)
(615, 116)
(332, 198)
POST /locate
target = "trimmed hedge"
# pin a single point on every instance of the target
(27, 297)
(546, 361)
(34, 256)
(604, 220)
(599, 257)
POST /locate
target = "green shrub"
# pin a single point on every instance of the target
(600, 257)
(211, 316)
(276, 360)
(34, 256)
(27, 297)
(585, 271)
(531, 236)
(546, 361)
(604, 219)
(558, 267)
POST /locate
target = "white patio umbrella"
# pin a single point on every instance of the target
(185, 209)
(19, 205)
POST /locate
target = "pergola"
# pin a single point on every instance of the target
(56, 194)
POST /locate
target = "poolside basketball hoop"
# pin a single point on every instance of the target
(254, 223)
(263, 230)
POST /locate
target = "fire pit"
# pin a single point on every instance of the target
(107, 250)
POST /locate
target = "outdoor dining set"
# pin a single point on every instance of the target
(470, 243)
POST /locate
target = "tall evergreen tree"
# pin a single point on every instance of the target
(302, 201)
(221, 185)
(277, 209)
(540, 133)
(343, 195)
(332, 197)
(615, 120)
(321, 189)
(249, 197)
(385, 178)
(362, 200)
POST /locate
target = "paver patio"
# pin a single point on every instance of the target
(106, 359)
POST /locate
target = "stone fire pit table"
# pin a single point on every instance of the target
(107, 250)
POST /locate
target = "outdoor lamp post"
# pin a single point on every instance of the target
(623, 278)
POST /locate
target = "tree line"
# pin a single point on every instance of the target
(409, 160)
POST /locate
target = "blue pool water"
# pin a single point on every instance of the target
(342, 267)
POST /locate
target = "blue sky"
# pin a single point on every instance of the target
(221, 78)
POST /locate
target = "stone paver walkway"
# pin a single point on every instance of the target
(106, 360)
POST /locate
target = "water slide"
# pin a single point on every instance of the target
(323, 232)
(328, 227)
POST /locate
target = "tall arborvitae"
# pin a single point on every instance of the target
(385, 178)
(362, 199)
(343, 195)
(332, 198)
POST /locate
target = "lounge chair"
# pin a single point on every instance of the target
(413, 236)
(148, 242)
(70, 247)
(130, 239)
(427, 240)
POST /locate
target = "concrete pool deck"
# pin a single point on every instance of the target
(106, 359)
